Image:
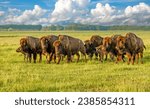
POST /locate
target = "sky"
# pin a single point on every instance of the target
(95, 12)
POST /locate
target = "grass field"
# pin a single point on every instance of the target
(16, 75)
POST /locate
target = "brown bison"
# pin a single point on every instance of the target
(132, 45)
(67, 45)
(47, 46)
(31, 45)
(91, 45)
(101, 52)
(109, 44)
(90, 49)
(26, 57)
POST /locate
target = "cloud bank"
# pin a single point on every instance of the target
(79, 11)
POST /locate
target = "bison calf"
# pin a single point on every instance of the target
(26, 56)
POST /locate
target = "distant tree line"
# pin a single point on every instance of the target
(94, 27)
(20, 27)
(71, 27)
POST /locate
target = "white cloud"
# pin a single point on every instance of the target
(78, 11)
(101, 10)
(109, 15)
(137, 15)
(27, 17)
(137, 9)
(68, 9)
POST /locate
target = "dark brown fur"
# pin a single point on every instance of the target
(132, 45)
(31, 45)
(109, 44)
(69, 46)
(47, 46)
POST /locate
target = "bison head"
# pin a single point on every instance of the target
(23, 42)
(120, 46)
(100, 49)
(58, 48)
(90, 49)
(19, 49)
(44, 44)
(107, 42)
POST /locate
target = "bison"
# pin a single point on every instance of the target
(31, 45)
(47, 46)
(67, 45)
(91, 45)
(132, 45)
(90, 49)
(24, 52)
(109, 44)
(101, 52)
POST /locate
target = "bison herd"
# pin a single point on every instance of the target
(61, 46)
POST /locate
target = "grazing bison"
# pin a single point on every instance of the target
(47, 46)
(31, 45)
(132, 45)
(91, 45)
(26, 57)
(109, 44)
(67, 45)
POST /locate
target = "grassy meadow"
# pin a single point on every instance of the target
(18, 76)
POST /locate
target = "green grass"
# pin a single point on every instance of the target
(16, 75)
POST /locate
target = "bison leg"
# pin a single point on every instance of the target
(84, 56)
(59, 58)
(119, 58)
(51, 57)
(30, 56)
(96, 55)
(34, 57)
(111, 56)
(141, 58)
(68, 56)
(123, 58)
(78, 57)
(47, 58)
(54, 58)
(137, 58)
(68, 59)
(129, 58)
(106, 57)
(133, 58)
(40, 60)
(27, 57)
(101, 57)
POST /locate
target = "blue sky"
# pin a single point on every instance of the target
(102, 12)
(50, 4)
